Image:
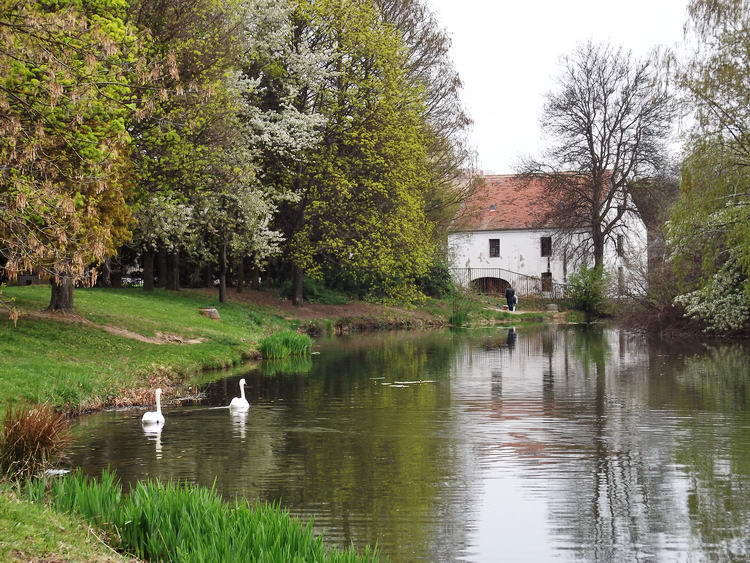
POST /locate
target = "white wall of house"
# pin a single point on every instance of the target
(521, 252)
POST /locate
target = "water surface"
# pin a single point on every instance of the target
(552, 443)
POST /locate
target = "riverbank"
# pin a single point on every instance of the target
(35, 532)
(122, 343)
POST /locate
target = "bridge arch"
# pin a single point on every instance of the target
(489, 284)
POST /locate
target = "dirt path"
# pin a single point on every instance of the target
(312, 311)
(75, 318)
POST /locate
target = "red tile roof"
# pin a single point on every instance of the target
(517, 204)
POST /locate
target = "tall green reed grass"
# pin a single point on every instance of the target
(178, 522)
(284, 344)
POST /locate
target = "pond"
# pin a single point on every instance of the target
(528, 444)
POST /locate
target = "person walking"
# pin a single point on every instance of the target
(510, 295)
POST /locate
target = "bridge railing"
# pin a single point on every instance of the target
(495, 280)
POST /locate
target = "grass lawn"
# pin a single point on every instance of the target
(35, 532)
(77, 364)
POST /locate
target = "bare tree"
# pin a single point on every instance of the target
(609, 120)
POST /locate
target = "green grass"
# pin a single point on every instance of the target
(474, 309)
(285, 344)
(174, 522)
(35, 532)
(73, 365)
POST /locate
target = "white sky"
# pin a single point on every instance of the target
(508, 54)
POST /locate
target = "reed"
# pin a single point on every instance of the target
(177, 522)
(285, 344)
(32, 439)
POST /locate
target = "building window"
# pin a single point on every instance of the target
(493, 207)
(546, 246)
(546, 281)
(620, 245)
(494, 248)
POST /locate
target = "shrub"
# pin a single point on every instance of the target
(174, 522)
(285, 343)
(314, 291)
(722, 304)
(458, 318)
(587, 291)
(438, 282)
(32, 439)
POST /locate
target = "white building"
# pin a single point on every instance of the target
(496, 241)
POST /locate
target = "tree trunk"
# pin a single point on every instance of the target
(148, 270)
(223, 274)
(162, 268)
(255, 278)
(173, 271)
(298, 276)
(61, 298)
(106, 276)
(240, 274)
(598, 250)
(208, 273)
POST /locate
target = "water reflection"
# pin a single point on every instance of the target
(153, 434)
(239, 423)
(519, 444)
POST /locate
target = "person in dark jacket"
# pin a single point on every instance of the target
(510, 294)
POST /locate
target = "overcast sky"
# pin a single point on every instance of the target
(508, 54)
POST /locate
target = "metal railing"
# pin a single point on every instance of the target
(495, 280)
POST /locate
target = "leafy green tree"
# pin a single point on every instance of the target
(194, 148)
(429, 65)
(587, 290)
(356, 209)
(68, 73)
(710, 227)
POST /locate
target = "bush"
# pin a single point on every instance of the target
(284, 344)
(314, 291)
(587, 291)
(722, 304)
(438, 282)
(32, 439)
(173, 522)
(458, 318)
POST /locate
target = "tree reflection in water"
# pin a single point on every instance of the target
(526, 444)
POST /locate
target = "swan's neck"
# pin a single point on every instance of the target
(158, 404)
(242, 391)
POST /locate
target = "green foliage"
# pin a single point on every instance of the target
(709, 230)
(458, 318)
(587, 290)
(174, 522)
(437, 283)
(40, 533)
(68, 83)
(358, 219)
(721, 304)
(285, 343)
(315, 291)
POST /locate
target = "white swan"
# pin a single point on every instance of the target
(154, 417)
(240, 403)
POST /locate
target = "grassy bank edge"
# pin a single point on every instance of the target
(122, 343)
(36, 532)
